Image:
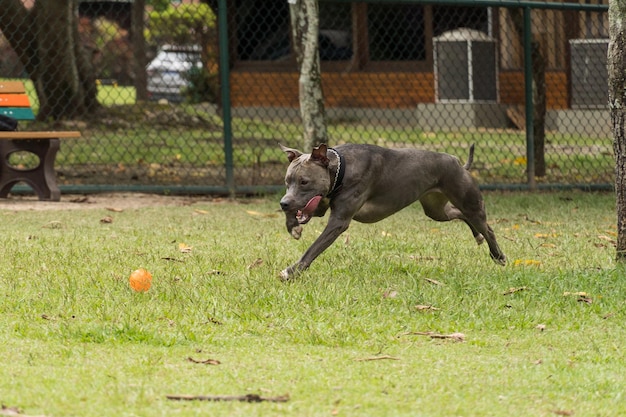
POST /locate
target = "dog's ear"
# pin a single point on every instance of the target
(319, 154)
(291, 153)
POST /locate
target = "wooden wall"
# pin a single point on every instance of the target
(557, 92)
(357, 89)
(370, 89)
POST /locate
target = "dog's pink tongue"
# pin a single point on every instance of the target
(304, 214)
(311, 205)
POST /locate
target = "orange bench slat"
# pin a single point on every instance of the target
(14, 100)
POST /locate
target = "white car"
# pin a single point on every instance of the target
(168, 73)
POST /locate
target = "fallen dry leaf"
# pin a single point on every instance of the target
(377, 358)
(55, 224)
(545, 235)
(457, 337)
(106, 220)
(576, 293)
(520, 160)
(211, 320)
(420, 307)
(205, 362)
(513, 290)
(115, 209)
(390, 294)
(607, 239)
(257, 263)
(170, 322)
(563, 412)
(13, 411)
(259, 214)
(423, 258)
(583, 297)
(526, 262)
(198, 211)
(433, 281)
(184, 248)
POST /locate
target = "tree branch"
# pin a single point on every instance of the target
(249, 398)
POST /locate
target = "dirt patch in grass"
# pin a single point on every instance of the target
(113, 201)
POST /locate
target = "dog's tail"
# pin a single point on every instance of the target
(470, 159)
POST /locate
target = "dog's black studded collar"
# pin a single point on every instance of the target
(341, 170)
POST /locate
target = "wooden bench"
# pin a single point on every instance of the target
(14, 102)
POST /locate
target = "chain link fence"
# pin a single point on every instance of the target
(398, 74)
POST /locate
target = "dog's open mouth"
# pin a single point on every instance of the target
(304, 215)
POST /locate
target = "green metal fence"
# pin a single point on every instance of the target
(195, 97)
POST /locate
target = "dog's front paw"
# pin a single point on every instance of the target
(284, 275)
(500, 259)
(289, 273)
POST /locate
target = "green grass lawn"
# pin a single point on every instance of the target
(543, 336)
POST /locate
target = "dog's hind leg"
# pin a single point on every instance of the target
(437, 206)
(479, 222)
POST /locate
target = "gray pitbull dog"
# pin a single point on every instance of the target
(368, 183)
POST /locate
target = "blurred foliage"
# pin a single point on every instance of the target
(158, 5)
(203, 86)
(180, 25)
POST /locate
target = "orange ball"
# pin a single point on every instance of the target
(140, 280)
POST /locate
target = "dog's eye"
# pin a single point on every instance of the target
(304, 182)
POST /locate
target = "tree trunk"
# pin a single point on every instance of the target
(616, 66)
(46, 40)
(539, 93)
(305, 30)
(139, 49)
(16, 24)
(86, 73)
(539, 109)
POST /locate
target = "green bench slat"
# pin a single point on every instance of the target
(19, 113)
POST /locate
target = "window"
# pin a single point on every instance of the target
(262, 29)
(353, 36)
(396, 32)
(335, 41)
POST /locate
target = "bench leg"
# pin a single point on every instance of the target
(41, 178)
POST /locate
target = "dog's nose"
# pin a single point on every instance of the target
(284, 204)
